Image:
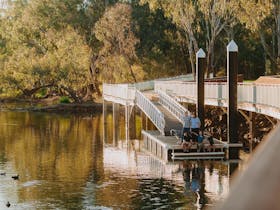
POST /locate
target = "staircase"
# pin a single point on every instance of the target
(171, 122)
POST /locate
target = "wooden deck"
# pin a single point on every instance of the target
(168, 148)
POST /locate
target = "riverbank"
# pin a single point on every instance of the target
(49, 105)
(69, 108)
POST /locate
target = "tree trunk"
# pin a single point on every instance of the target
(71, 93)
(131, 71)
(278, 37)
(183, 52)
(191, 53)
(29, 93)
(278, 27)
(269, 54)
(278, 34)
(93, 73)
(207, 50)
(212, 56)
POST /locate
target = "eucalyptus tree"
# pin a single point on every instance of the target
(197, 18)
(184, 15)
(216, 16)
(263, 17)
(41, 52)
(117, 57)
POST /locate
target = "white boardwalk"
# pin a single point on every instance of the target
(259, 98)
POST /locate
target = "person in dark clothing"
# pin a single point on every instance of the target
(211, 146)
(187, 142)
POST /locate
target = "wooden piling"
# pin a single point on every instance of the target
(200, 69)
(232, 112)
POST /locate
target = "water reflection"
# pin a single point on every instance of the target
(64, 163)
(194, 178)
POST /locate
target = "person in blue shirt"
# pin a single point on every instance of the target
(200, 144)
(186, 124)
(195, 123)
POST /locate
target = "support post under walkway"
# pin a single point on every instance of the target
(104, 120)
(116, 123)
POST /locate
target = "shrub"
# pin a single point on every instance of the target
(64, 99)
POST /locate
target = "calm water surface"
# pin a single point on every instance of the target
(65, 163)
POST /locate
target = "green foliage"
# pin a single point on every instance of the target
(74, 45)
(41, 93)
(117, 55)
(160, 46)
(64, 100)
(42, 55)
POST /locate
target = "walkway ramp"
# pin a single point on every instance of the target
(171, 122)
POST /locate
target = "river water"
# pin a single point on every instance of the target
(63, 162)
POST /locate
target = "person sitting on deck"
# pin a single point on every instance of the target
(211, 146)
(187, 124)
(187, 142)
(195, 123)
(200, 144)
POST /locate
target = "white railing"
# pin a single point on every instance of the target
(122, 93)
(215, 91)
(149, 85)
(172, 105)
(151, 111)
(267, 95)
(187, 89)
(257, 94)
(185, 77)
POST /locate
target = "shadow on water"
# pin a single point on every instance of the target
(65, 163)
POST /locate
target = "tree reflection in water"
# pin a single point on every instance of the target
(65, 163)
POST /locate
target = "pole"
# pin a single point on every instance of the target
(232, 112)
(200, 68)
(115, 123)
(104, 120)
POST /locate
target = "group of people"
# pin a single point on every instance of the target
(192, 134)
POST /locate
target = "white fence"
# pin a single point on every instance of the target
(257, 94)
(172, 105)
(149, 85)
(155, 115)
(119, 93)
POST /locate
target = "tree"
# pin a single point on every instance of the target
(184, 15)
(117, 56)
(39, 55)
(263, 17)
(217, 14)
(197, 18)
(160, 45)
